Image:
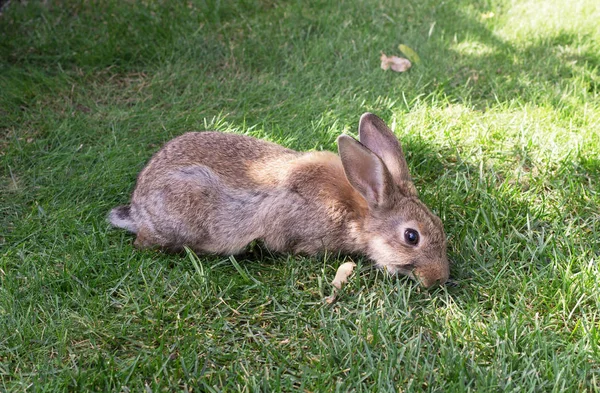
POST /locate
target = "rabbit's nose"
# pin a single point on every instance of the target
(435, 281)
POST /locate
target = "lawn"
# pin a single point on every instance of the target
(500, 123)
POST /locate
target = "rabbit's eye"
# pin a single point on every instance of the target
(411, 236)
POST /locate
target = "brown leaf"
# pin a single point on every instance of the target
(398, 64)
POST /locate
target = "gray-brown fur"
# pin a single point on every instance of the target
(217, 192)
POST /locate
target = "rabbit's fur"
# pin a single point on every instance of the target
(217, 192)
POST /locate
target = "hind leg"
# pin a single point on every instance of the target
(147, 239)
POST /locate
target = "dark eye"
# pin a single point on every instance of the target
(411, 236)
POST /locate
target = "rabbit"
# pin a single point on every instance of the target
(217, 192)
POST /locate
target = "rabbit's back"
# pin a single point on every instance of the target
(230, 157)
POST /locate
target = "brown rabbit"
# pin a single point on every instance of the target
(217, 192)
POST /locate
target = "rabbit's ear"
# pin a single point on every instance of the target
(365, 171)
(377, 137)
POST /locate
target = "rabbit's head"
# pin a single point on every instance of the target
(401, 234)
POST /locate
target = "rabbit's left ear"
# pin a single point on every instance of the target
(365, 171)
(377, 137)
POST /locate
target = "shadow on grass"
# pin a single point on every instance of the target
(463, 58)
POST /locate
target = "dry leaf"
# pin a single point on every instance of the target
(342, 274)
(397, 64)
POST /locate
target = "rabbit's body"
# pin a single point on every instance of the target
(217, 192)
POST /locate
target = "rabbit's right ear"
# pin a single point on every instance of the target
(377, 137)
(365, 171)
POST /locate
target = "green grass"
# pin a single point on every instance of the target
(501, 125)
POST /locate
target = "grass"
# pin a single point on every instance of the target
(500, 124)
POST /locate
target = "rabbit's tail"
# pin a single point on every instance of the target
(120, 217)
